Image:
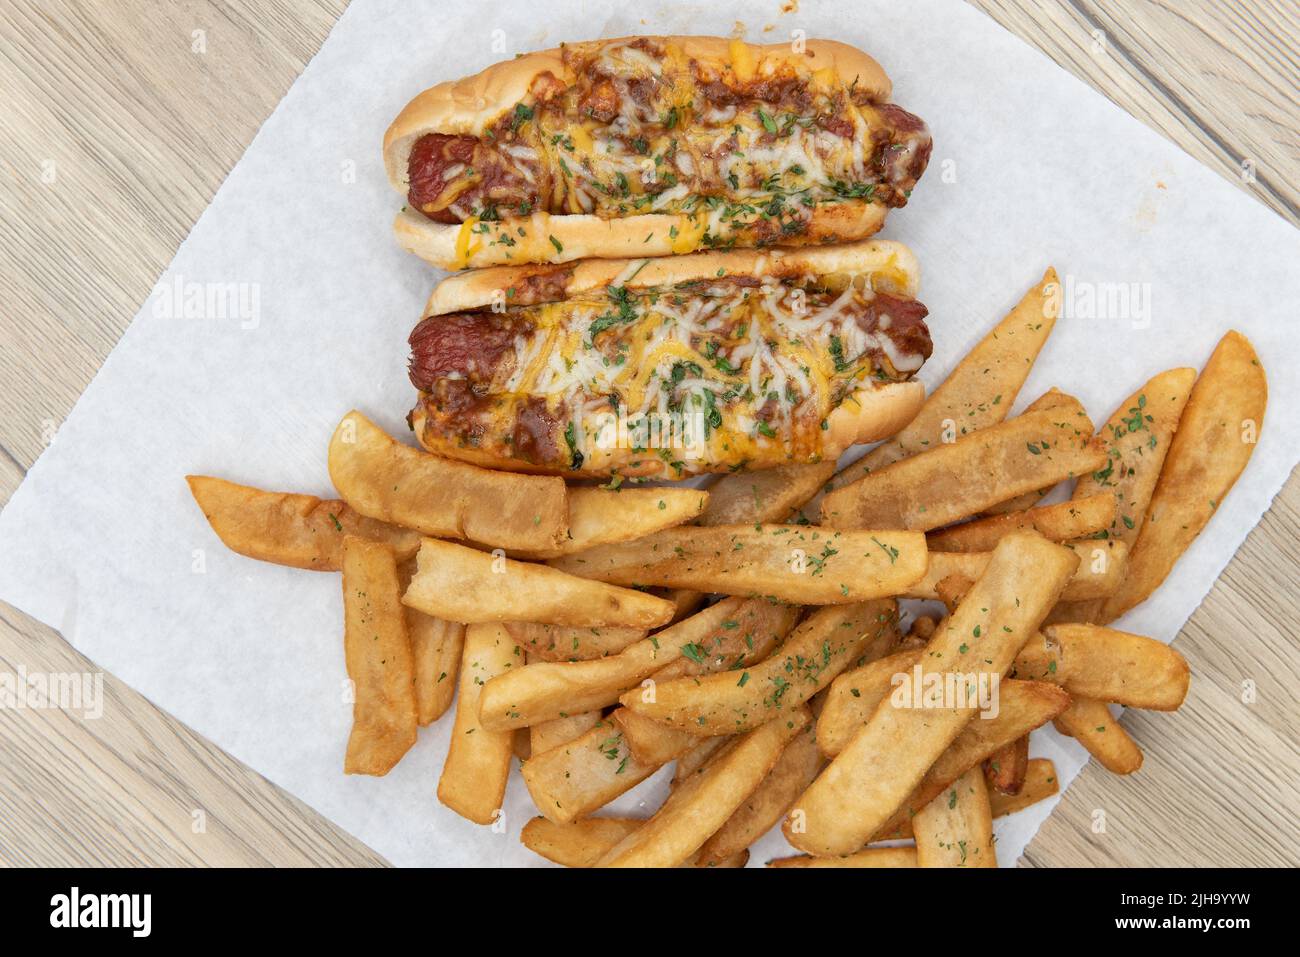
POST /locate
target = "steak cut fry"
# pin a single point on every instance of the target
(378, 653)
(956, 828)
(794, 563)
(1216, 436)
(473, 781)
(700, 806)
(464, 584)
(386, 480)
(954, 482)
(891, 754)
(823, 645)
(1061, 522)
(550, 689)
(286, 528)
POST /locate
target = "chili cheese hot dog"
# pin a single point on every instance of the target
(651, 146)
(673, 366)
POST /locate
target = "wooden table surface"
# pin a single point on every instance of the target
(139, 130)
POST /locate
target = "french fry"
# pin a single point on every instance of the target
(1078, 518)
(571, 642)
(579, 843)
(685, 601)
(1083, 659)
(650, 741)
(1102, 566)
(521, 743)
(1094, 662)
(867, 857)
(691, 762)
(551, 689)
(823, 645)
(1089, 722)
(956, 828)
(301, 531)
(951, 589)
(473, 781)
(766, 496)
(435, 649)
(923, 628)
(740, 859)
(1040, 783)
(1137, 439)
(789, 777)
(1005, 770)
(386, 480)
(655, 743)
(695, 810)
(1021, 503)
(854, 696)
(1053, 398)
(558, 731)
(954, 482)
(1023, 706)
(435, 652)
(1099, 572)
(575, 779)
(854, 795)
(746, 636)
(800, 564)
(599, 516)
(378, 654)
(464, 584)
(1215, 438)
(983, 387)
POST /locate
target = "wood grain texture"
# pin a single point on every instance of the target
(141, 130)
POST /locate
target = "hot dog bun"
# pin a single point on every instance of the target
(475, 107)
(893, 263)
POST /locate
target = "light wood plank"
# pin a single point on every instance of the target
(134, 786)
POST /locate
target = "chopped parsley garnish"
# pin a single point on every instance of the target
(837, 353)
(571, 438)
(522, 115)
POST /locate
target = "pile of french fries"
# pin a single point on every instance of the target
(751, 635)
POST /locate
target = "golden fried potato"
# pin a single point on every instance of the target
(286, 528)
(889, 756)
(794, 563)
(473, 781)
(953, 482)
(1216, 436)
(386, 480)
(378, 653)
(464, 584)
(956, 828)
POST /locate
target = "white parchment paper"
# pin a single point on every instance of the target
(1030, 167)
